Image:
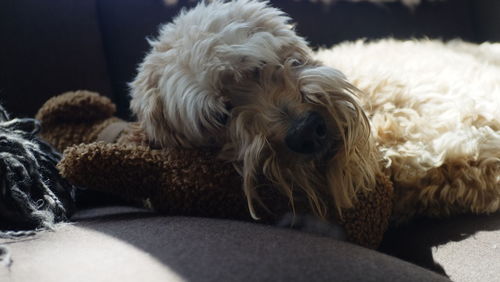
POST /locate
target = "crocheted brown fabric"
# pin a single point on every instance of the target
(367, 221)
(169, 181)
(74, 118)
(176, 181)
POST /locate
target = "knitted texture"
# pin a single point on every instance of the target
(33, 194)
(367, 221)
(169, 181)
(178, 181)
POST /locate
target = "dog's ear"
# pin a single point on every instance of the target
(147, 105)
(175, 105)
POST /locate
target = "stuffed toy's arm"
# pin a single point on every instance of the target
(77, 106)
(366, 223)
(182, 182)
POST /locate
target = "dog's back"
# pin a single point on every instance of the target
(434, 113)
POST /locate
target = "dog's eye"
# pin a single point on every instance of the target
(295, 62)
(256, 72)
(222, 118)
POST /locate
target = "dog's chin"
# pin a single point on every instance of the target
(319, 159)
(300, 179)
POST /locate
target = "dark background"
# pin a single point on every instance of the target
(48, 47)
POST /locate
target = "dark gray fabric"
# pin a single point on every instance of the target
(133, 245)
(49, 47)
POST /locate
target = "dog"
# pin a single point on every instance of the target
(434, 113)
(236, 77)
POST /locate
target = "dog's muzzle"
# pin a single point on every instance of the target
(307, 134)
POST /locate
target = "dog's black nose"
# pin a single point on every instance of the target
(307, 134)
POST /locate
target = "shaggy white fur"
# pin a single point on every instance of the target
(435, 114)
(234, 76)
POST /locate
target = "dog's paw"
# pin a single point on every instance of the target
(314, 225)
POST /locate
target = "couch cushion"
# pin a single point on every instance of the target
(466, 247)
(133, 245)
(49, 48)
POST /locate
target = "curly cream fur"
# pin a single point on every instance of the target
(234, 75)
(434, 110)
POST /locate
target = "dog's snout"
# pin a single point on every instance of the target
(307, 134)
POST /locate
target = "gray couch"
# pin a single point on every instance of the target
(64, 45)
(120, 244)
(130, 244)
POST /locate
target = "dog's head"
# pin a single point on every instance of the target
(235, 76)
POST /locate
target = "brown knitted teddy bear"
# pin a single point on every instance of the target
(112, 156)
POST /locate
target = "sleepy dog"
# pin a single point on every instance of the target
(319, 126)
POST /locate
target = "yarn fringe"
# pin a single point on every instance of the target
(33, 196)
